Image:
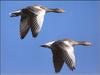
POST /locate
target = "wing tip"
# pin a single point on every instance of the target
(21, 37)
(73, 68)
(57, 71)
(35, 35)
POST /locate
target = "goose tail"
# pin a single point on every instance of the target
(15, 14)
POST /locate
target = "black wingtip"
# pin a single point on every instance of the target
(73, 68)
(22, 37)
(35, 35)
(57, 71)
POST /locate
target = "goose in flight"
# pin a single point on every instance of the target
(32, 17)
(63, 51)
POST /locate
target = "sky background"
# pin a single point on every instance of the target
(80, 21)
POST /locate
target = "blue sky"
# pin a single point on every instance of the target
(81, 21)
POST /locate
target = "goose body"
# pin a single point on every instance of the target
(63, 51)
(32, 17)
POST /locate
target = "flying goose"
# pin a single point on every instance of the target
(63, 51)
(32, 17)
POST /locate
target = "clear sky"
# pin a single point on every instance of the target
(81, 21)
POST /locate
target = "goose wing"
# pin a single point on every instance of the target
(36, 19)
(36, 23)
(67, 54)
(31, 18)
(24, 25)
(57, 60)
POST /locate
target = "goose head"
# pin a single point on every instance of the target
(56, 10)
(74, 43)
(85, 43)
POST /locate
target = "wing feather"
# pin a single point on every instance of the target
(57, 60)
(36, 19)
(24, 26)
(66, 53)
(36, 23)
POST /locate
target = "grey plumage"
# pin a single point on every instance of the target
(32, 17)
(63, 51)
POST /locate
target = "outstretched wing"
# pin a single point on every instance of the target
(24, 25)
(67, 54)
(57, 60)
(35, 18)
(69, 58)
(36, 23)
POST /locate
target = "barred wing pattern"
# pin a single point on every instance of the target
(36, 24)
(31, 18)
(24, 26)
(57, 60)
(66, 54)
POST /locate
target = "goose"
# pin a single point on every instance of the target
(63, 52)
(32, 17)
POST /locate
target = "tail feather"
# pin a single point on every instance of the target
(46, 46)
(16, 13)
